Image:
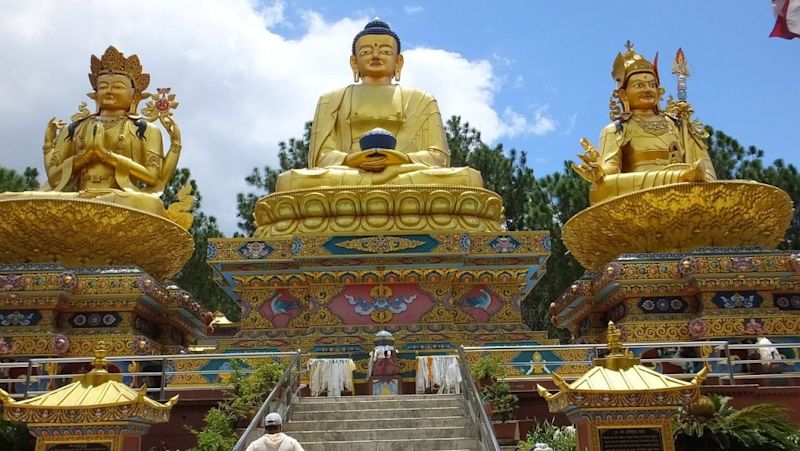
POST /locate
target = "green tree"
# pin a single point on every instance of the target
(507, 174)
(10, 180)
(554, 199)
(292, 154)
(196, 276)
(759, 427)
(734, 161)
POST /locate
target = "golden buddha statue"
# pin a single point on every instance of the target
(643, 147)
(345, 115)
(114, 155)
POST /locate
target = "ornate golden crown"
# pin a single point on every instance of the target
(113, 62)
(629, 63)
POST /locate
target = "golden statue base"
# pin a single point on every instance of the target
(87, 232)
(375, 209)
(679, 218)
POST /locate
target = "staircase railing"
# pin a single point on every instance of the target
(279, 400)
(486, 437)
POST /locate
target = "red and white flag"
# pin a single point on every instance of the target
(787, 14)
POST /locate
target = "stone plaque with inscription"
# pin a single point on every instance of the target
(631, 439)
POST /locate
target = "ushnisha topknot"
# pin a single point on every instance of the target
(376, 26)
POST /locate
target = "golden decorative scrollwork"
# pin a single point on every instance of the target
(370, 209)
(679, 217)
(129, 236)
(323, 317)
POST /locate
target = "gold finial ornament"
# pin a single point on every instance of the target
(614, 339)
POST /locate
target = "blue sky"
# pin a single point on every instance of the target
(559, 54)
(533, 75)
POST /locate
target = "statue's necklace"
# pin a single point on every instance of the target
(655, 127)
(109, 122)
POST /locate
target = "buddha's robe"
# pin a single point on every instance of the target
(130, 137)
(633, 158)
(344, 115)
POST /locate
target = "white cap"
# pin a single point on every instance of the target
(273, 419)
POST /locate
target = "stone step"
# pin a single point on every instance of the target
(426, 397)
(353, 414)
(441, 444)
(386, 433)
(375, 423)
(374, 403)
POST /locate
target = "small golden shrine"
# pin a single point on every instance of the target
(97, 409)
(620, 404)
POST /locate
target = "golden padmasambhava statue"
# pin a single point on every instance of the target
(643, 147)
(114, 155)
(421, 155)
(654, 188)
(378, 160)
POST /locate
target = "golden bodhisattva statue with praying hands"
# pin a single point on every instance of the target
(115, 155)
(106, 171)
(644, 146)
(343, 116)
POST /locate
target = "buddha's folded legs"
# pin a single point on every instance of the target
(410, 174)
(616, 185)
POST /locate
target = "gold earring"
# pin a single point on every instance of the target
(356, 76)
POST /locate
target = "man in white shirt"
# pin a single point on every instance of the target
(274, 439)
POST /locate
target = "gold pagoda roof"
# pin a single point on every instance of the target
(620, 380)
(92, 397)
(636, 377)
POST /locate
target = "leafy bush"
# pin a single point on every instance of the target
(760, 427)
(503, 402)
(560, 438)
(15, 437)
(488, 367)
(250, 390)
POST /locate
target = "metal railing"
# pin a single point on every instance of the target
(477, 413)
(280, 398)
(723, 359)
(213, 370)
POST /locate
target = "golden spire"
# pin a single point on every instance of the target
(100, 363)
(618, 358)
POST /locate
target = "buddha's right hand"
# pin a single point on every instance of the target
(53, 127)
(590, 168)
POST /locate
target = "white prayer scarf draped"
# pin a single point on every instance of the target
(440, 371)
(331, 375)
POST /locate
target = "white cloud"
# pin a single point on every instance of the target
(242, 86)
(413, 9)
(540, 122)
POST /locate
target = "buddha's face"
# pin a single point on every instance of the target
(114, 92)
(641, 92)
(376, 57)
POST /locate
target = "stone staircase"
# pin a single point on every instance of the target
(382, 423)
